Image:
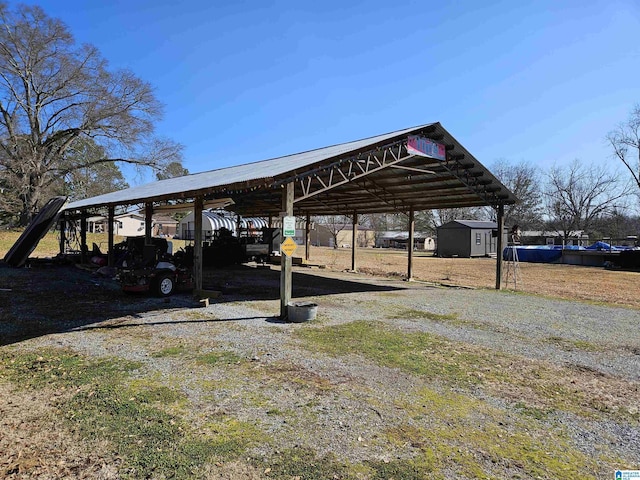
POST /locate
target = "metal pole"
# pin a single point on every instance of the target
(354, 238)
(499, 247)
(412, 225)
(285, 260)
(197, 245)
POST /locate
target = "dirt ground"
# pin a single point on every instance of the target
(594, 284)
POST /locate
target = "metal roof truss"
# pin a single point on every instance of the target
(428, 183)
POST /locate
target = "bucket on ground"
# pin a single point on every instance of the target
(299, 312)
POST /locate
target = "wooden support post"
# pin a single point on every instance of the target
(354, 240)
(307, 237)
(62, 224)
(285, 260)
(148, 222)
(111, 259)
(83, 236)
(412, 225)
(197, 245)
(499, 247)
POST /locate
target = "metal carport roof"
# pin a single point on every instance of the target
(372, 175)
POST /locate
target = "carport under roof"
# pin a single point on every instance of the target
(373, 175)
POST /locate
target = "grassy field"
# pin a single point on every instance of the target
(49, 246)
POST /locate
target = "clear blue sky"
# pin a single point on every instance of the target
(242, 81)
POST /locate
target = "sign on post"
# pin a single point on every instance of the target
(288, 246)
(289, 227)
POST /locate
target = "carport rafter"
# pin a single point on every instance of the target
(462, 173)
(348, 170)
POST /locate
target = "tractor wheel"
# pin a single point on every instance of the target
(165, 284)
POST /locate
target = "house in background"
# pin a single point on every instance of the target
(540, 237)
(468, 238)
(125, 225)
(128, 225)
(395, 239)
(96, 224)
(164, 226)
(322, 236)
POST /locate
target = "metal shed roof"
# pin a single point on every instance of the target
(376, 174)
(482, 224)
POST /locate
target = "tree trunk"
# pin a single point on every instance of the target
(31, 201)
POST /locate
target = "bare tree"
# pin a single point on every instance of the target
(383, 222)
(625, 141)
(9, 201)
(335, 224)
(172, 170)
(442, 216)
(52, 93)
(524, 181)
(578, 195)
(90, 180)
(425, 222)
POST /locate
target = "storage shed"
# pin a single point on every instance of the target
(468, 238)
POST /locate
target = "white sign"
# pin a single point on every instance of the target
(627, 474)
(289, 227)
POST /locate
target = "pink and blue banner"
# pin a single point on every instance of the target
(424, 147)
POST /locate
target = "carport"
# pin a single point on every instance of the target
(409, 170)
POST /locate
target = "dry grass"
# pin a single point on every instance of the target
(36, 444)
(563, 281)
(49, 246)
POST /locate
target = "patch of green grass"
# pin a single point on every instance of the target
(419, 353)
(304, 464)
(231, 437)
(218, 357)
(412, 313)
(130, 414)
(410, 469)
(174, 351)
(477, 440)
(150, 392)
(153, 442)
(454, 319)
(417, 468)
(533, 412)
(61, 368)
(462, 365)
(571, 345)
